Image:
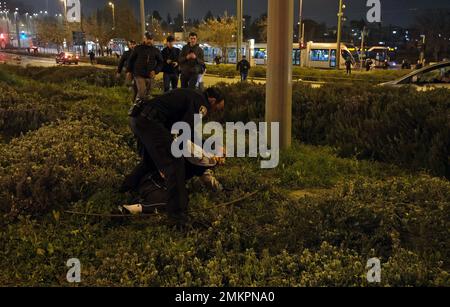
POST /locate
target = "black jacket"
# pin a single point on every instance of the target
(192, 66)
(179, 105)
(145, 59)
(173, 55)
(123, 62)
(243, 66)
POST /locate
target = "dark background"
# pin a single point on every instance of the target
(395, 12)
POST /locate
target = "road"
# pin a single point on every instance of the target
(209, 80)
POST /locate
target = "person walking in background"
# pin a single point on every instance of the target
(123, 63)
(144, 64)
(171, 68)
(191, 60)
(243, 67)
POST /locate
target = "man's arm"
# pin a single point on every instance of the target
(132, 61)
(200, 56)
(159, 62)
(182, 58)
(122, 62)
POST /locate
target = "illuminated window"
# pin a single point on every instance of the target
(320, 55)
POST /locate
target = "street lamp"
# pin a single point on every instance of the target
(16, 13)
(113, 14)
(300, 24)
(65, 9)
(339, 34)
(184, 19)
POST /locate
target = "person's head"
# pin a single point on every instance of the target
(216, 99)
(132, 44)
(148, 38)
(170, 41)
(244, 57)
(193, 38)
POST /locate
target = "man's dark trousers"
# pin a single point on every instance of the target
(170, 80)
(157, 141)
(189, 81)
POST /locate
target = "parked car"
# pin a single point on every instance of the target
(427, 78)
(67, 58)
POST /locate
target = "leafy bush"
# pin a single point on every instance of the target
(59, 164)
(309, 74)
(62, 74)
(108, 61)
(400, 126)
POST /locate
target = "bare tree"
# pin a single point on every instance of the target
(436, 28)
(220, 32)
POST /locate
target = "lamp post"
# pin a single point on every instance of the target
(16, 13)
(184, 19)
(239, 17)
(65, 9)
(300, 22)
(142, 17)
(113, 14)
(339, 34)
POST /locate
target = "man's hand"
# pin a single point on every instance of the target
(193, 56)
(118, 75)
(175, 64)
(129, 76)
(152, 74)
(169, 61)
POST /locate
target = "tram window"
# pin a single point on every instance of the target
(321, 55)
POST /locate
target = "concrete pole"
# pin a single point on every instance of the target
(239, 17)
(142, 18)
(300, 23)
(339, 34)
(279, 68)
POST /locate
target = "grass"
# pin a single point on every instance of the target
(315, 220)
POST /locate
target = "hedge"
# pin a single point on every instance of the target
(401, 126)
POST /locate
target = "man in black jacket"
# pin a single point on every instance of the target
(151, 122)
(171, 68)
(144, 64)
(123, 63)
(191, 61)
(243, 67)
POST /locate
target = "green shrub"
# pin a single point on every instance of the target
(399, 126)
(309, 74)
(108, 61)
(59, 164)
(64, 74)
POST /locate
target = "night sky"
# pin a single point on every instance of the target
(395, 12)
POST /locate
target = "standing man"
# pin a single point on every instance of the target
(243, 67)
(171, 68)
(144, 64)
(91, 56)
(348, 65)
(124, 63)
(191, 60)
(152, 122)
